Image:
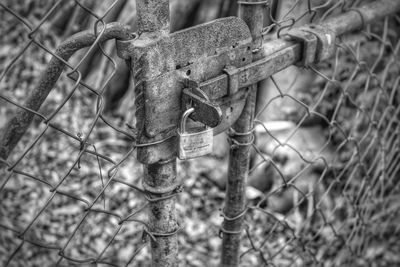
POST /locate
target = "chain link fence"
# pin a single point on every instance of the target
(69, 189)
(323, 181)
(327, 151)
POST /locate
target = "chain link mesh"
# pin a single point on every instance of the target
(69, 190)
(327, 151)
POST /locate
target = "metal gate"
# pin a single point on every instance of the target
(305, 95)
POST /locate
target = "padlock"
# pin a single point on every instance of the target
(195, 142)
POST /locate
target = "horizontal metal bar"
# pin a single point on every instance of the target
(279, 54)
(355, 19)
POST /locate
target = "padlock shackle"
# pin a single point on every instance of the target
(185, 115)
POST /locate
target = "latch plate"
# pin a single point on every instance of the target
(160, 64)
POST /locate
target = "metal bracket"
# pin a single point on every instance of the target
(217, 59)
(317, 41)
(162, 64)
(220, 112)
(233, 79)
(310, 43)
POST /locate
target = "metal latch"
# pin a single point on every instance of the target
(161, 65)
(317, 41)
(218, 113)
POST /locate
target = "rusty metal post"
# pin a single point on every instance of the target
(241, 137)
(160, 171)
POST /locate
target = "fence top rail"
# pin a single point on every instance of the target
(281, 53)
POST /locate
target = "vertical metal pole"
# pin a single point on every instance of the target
(162, 214)
(241, 137)
(160, 177)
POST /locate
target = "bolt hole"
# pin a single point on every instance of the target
(244, 59)
(188, 72)
(178, 67)
(248, 48)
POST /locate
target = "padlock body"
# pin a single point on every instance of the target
(195, 144)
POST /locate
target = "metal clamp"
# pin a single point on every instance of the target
(318, 43)
(219, 113)
(204, 110)
(326, 41)
(310, 43)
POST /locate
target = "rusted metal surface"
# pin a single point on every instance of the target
(206, 112)
(309, 44)
(19, 124)
(325, 42)
(158, 102)
(256, 71)
(239, 156)
(219, 113)
(198, 53)
(186, 47)
(231, 107)
(159, 181)
(356, 18)
(162, 63)
(153, 16)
